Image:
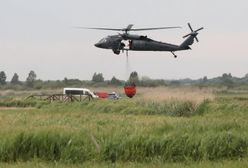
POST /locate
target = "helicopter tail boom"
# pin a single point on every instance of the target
(185, 45)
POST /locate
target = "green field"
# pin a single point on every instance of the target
(171, 127)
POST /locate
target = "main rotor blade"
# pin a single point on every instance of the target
(99, 28)
(155, 28)
(129, 28)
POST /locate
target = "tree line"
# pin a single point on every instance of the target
(15, 79)
(32, 82)
(98, 80)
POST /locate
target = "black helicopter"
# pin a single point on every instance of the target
(142, 43)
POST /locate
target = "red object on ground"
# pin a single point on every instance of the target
(130, 90)
(102, 95)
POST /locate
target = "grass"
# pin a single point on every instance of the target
(42, 164)
(140, 132)
(192, 94)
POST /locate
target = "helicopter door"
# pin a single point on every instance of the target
(130, 44)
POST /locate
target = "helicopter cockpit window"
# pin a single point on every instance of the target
(103, 40)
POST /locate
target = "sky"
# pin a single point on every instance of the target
(40, 35)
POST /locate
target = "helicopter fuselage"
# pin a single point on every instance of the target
(142, 43)
(136, 43)
(151, 45)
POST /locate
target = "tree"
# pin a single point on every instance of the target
(65, 81)
(227, 80)
(246, 76)
(205, 79)
(31, 78)
(3, 78)
(15, 79)
(98, 77)
(115, 81)
(134, 78)
(226, 76)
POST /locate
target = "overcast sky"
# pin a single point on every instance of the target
(39, 35)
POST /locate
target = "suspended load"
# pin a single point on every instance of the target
(130, 89)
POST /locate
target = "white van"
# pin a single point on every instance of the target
(79, 92)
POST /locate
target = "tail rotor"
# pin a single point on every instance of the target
(193, 32)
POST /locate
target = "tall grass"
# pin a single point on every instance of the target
(12, 102)
(176, 108)
(136, 130)
(52, 146)
(192, 94)
(155, 164)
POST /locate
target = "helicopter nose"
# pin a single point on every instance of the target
(98, 45)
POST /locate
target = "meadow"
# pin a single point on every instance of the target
(159, 127)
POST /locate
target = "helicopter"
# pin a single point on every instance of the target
(141, 42)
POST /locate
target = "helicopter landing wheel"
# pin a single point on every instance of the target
(175, 56)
